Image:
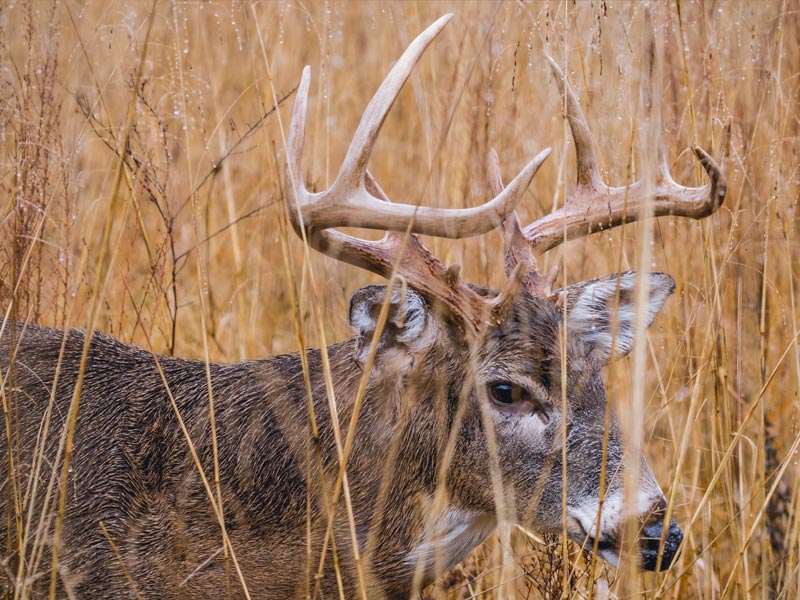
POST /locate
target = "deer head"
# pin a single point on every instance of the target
(489, 373)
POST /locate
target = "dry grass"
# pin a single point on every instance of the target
(196, 263)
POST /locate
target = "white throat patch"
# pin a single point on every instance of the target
(454, 535)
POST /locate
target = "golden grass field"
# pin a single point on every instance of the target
(186, 239)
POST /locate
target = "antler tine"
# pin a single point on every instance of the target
(588, 173)
(594, 205)
(355, 163)
(651, 95)
(719, 183)
(518, 279)
(517, 249)
(294, 145)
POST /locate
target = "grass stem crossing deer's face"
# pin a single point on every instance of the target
(501, 367)
(510, 379)
(454, 408)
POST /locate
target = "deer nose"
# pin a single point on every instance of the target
(651, 540)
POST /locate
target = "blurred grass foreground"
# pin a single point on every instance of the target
(200, 261)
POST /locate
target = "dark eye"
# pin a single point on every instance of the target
(516, 399)
(503, 392)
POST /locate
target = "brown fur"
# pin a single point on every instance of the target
(132, 470)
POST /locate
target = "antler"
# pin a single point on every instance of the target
(596, 206)
(356, 200)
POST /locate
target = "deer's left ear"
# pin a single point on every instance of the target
(601, 312)
(410, 326)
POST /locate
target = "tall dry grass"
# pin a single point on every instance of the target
(196, 265)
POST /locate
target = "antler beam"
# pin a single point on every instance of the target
(348, 203)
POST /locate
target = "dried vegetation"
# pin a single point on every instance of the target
(195, 265)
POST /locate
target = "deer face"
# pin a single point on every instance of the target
(513, 382)
(520, 378)
(511, 375)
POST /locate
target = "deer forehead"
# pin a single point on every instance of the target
(530, 325)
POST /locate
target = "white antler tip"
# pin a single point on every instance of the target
(542, 156)
(533, 166)
(303, 85)
(526, 175)
(436, 27)
(445, 18)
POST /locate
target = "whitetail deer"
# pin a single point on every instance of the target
(456, 390)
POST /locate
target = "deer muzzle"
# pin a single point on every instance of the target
(650, 542)
(652, 534)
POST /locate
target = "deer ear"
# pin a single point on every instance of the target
(409, 328)
(601, 312)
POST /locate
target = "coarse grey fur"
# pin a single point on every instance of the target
(133, 472)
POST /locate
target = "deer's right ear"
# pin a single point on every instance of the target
(409, 328)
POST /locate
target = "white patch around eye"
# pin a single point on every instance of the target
(530, 425)
(454, 535)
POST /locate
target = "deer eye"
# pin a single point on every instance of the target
(516, 399)
(506, 393)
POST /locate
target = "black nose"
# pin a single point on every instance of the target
(650, 541)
